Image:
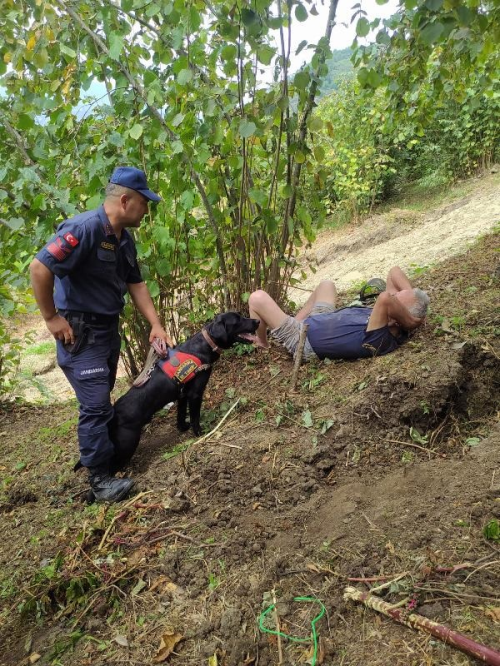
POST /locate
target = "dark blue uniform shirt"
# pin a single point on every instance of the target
(343, 334)
(92, 267)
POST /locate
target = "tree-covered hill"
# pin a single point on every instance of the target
(340, 68)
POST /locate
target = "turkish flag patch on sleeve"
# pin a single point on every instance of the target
(71, 239)
(61, 248)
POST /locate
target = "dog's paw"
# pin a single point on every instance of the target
(183, 426)
(197, 431)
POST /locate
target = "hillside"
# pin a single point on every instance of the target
(385, 467)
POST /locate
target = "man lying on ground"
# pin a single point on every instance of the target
(352, 332)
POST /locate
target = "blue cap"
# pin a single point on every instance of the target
(134, 179)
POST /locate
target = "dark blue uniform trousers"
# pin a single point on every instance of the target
(92, 373)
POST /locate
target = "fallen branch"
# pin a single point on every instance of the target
(416, 446)
(415, 621)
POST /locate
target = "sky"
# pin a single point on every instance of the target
(344, 32)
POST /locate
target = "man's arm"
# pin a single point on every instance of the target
(397, 280)
(42, 281)
(388, 308)
(142, 300)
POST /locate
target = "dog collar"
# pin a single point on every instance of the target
(212, 344)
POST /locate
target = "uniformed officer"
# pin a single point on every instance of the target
(92, 260)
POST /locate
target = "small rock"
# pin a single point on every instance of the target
(230, 621)
(339, 444)
(431, 611)
(178, 505)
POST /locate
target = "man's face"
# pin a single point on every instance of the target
(135, 207)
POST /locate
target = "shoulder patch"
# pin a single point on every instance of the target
(60, 248)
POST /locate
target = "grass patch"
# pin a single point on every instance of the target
(41, 349)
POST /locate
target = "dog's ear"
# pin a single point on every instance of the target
(224, 328)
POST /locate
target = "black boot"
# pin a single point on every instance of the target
(107, 488)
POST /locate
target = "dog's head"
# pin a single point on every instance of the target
(229, 328)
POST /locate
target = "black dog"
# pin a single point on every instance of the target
(136, 408)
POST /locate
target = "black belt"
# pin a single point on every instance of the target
(90, 317)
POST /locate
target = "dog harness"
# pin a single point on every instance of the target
(182, 367)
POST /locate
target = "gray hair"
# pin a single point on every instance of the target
(422, 300)
(114, 190)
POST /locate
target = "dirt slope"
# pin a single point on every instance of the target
(404, 237)
(378, 467)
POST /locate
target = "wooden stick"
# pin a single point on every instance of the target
(415, 621)
(298, 354)
(278, 629)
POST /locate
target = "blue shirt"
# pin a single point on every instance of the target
(342, 334)
(91, 266)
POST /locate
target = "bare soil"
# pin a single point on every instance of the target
(373, 468)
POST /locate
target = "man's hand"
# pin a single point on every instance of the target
(60, 329)
(157, 331)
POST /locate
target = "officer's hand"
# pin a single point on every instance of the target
(158, 331)
(60, 329)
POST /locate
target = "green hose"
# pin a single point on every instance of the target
(314, 635)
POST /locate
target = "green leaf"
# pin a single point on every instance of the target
(25, 122)
(184, 76)
(362, 27)
(136, 131)
(152, 9)
(15, 223)
(247, 128)
(115, 45)
(177, 119)
(431, 33)
(229, 52)
(249, 17)
(94, 201)
(301, 46)
(300, 157)
(271, 224)
(163, 267)
(383, 38)
(465, 15)
(64, 48)
(319, 153)
(307, 419)
(187, 199)
(315, 124)
(138, 587)
(258, 196)
(154, 289)
(301, 13)
(301, 80)
(434, 5)
(265, 54)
